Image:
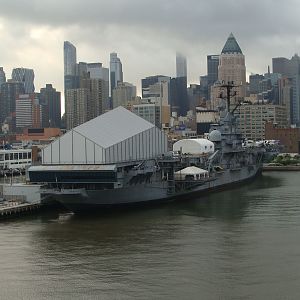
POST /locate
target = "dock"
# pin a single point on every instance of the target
(267, 168)
(15, 209)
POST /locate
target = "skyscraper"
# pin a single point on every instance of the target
(212, 71)
(97, 71)
(181, 66)
(99, 87)
(285, 89)
(70, 59)
(71, 79)
(282, 66)
(178, 96)
(212, 68)
(194, 95)
(290, 68)
(178, 92)
(51, 103)
(76, 107)
(2, 76)
(232, 65)
(26, 76)
(116, 72)
(9, 91)
(123, 93)
(151, 80)
(254, 83)
(28, 112)
(204, 87)
(98, 96)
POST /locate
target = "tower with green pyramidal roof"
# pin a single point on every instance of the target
(232, 65)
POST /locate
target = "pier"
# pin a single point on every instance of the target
(267, 168)
(15, 208)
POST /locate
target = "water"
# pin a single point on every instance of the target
(239, 244)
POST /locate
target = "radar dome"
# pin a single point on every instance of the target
(215, 136)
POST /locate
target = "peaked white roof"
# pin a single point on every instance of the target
(191, 171)
(113, 127)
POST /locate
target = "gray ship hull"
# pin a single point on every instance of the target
(82, 200)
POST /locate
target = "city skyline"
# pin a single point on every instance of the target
(144, 38)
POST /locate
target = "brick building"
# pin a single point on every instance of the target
(288, 137)
(39, 134)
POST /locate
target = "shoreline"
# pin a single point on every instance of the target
(267, 168)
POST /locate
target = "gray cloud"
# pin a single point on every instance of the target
(175, 15)
(146, 34)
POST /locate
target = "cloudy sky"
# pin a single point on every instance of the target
(145, 34)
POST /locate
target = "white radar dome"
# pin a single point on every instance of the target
(215, 136)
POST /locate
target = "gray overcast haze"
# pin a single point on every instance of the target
(145, 34)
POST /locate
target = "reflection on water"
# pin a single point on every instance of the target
(237, 244)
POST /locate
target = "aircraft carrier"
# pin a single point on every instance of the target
(100, 164)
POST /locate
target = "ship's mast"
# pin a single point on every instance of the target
(229, 93)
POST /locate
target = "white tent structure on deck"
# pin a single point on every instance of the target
(116, 136)
(192, 173)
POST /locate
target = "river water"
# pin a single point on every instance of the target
(237, 244)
